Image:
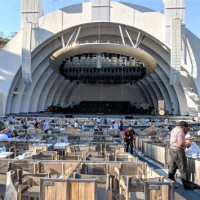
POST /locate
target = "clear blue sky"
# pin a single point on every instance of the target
(10, 12)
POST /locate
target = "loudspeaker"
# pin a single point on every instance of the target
(68, 116)
(128, 117)
(161, 107)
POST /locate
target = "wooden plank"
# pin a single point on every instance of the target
(196, 168)
(157, 190)
(82, 189)
(52, 189)
(73, 190)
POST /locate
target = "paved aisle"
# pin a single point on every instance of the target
(180, 192)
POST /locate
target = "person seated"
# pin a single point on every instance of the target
(142, 123)
(96, 128)
(98, 120)
(8, 133)
(116, 126)
(62, 129)
(192, 149)
(14, 134)
(76, 124)
(132, 123)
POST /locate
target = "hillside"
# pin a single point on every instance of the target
(3, 42)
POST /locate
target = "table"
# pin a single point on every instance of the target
(5, 154)
(41, 146)
(60, 145)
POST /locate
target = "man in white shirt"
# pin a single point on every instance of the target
(62, 129)
(192, 149)
(46, 126)
(75, 124)
(116, 126)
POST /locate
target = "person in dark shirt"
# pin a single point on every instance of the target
(14, 134)
(129, 138)
(121, 126)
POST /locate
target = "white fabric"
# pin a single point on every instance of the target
(11, 192)
(3, 137)
(116, 126)
(98, 120)
(5, 154)
(188, 136)
(62, 129)
(24, 156)
(75, 125)
(61, 145)
(193, 150)
(198, 133)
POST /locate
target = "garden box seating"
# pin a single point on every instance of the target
(68, 189)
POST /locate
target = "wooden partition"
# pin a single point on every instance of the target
(157, 152)
(140, 140)
(37, 147)
(75, 179)
(82, 189)
(158, 190)
(51, 189)
(194, 169)
(114, 148)
(56, 168)
(46, 155)
(149, 186)
(136, 169)
(26, 166)
(68, 189)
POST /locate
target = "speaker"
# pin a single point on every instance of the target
(161, 107)
(128, 117)
(68, 116)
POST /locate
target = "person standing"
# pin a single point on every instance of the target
(129, 138)
(121, 125)
(46, 126)
(178, 158)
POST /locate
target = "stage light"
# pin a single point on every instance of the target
(74, 44)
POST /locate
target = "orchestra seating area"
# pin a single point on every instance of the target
(73, 163)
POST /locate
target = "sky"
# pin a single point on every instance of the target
(10, 11)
